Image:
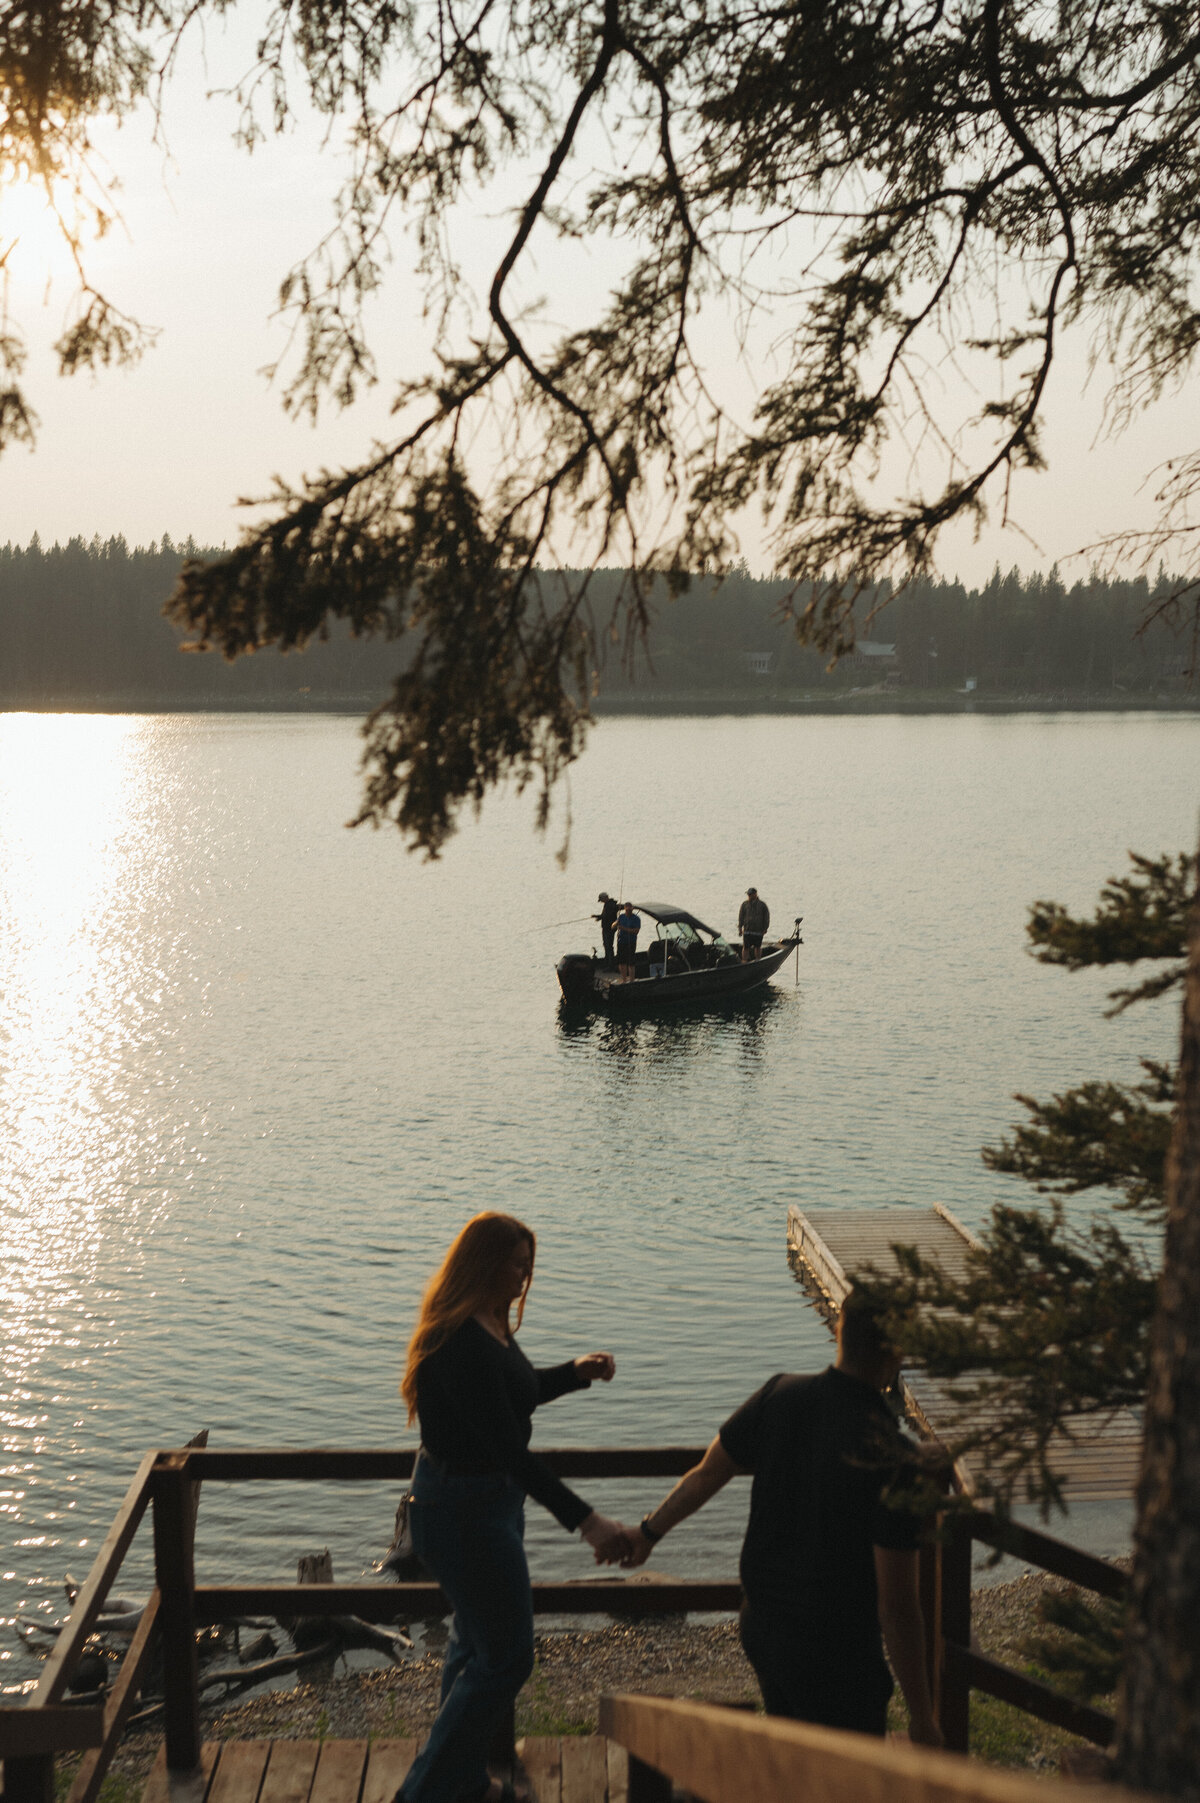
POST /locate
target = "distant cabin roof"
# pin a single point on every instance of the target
(668, 913)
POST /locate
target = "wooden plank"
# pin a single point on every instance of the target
(95, 1588)
(617, 1760)
(388, 1765)
(301, 1464)
(239, 1772)
(289, 1773)
(376, 1465)
(29, 1731)
(541, 1758)
(731, 1756)
(1035, 1699)
(166, 1786)
(584, 1768)
(388, 1602)
(340, 1771)
(1051, 1554)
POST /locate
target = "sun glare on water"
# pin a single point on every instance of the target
(68, 803)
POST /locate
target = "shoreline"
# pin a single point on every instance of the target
(751, 703)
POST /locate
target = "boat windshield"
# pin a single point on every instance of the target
(678, 933)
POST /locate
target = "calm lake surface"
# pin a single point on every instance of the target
(256, 1070)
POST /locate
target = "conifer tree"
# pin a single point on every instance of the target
(1058, 1320)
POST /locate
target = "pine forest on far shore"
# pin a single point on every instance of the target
(81, 625)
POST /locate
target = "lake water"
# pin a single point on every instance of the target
(255, 1071)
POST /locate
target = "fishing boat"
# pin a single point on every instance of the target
(686, 961)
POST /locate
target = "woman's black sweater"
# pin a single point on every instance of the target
(475, 1402)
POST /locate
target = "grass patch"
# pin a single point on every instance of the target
(539, 1713)
(1002, 1735)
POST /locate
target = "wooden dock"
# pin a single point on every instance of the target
(1100, 1458)
(576, 1768)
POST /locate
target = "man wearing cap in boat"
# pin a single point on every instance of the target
(609, 909)
(754, 917)
(829, 1562)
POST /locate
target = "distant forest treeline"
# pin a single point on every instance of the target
(81, 623)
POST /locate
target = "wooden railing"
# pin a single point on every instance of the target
(955, 1669)
(727, 1756)
(168, 1483)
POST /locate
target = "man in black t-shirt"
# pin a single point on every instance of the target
(829, 1569)
(610, 907)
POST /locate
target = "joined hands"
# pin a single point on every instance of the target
(613, 1543)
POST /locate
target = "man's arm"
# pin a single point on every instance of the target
(904, 1635)
(690, 1493)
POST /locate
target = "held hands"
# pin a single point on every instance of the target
(638, 1550)
(597, 1365)
(613, 1543)
(608, 1539)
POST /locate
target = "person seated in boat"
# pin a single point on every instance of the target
(754, 917)
(629, 925)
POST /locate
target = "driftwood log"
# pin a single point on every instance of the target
(340, 1630)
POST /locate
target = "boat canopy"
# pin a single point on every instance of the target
(668, 914)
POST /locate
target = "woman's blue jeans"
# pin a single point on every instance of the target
(469, 1530)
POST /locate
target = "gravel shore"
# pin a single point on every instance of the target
(668, 1656)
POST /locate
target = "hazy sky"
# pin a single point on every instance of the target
(208, 233)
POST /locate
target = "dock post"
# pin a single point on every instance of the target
(174, 1545)
(954, 1632)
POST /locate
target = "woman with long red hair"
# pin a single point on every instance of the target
(474, 1392)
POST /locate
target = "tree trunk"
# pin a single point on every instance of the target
(1158, 1737)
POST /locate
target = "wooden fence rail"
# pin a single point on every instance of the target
(727, 1756)
(168, 1484)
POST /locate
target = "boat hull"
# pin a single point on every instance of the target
(585, 982)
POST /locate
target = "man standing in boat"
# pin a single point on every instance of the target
(609, 909)
(629, 925)
(754, 917)
(829, 1562)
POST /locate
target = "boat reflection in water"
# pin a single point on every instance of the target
(679, 965)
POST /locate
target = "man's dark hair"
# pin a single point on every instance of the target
(863, 1337)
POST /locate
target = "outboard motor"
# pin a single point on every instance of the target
(576, 977)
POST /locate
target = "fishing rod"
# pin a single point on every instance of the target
(551, 924)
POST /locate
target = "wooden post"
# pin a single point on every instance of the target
(174, 1542)
(646, 1783)
(954, 1629)
(29, 1780)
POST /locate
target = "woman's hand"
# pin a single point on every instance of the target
(593, 1365)
(607, 1539)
